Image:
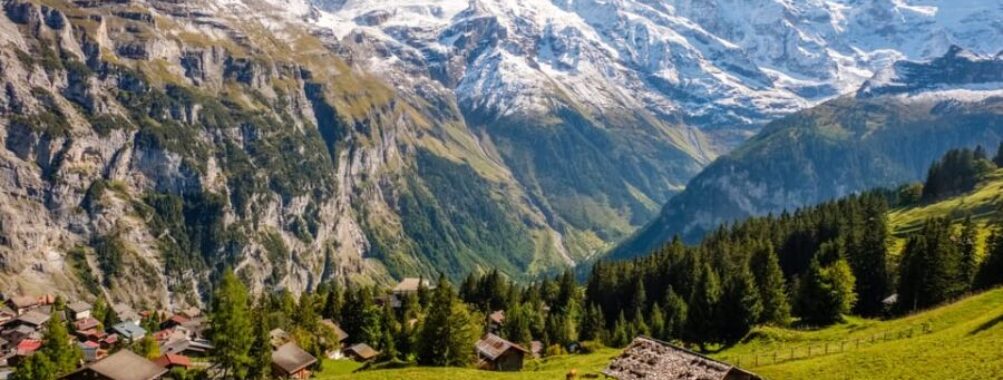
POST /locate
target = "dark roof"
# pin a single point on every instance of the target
(86, 324)
(492, 346)
(650, 359)
(34, 318)
(363, 351)
(79, 307)
(125, 365)
(291, 358)
(23, 301)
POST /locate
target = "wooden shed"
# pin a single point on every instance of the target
(498, 354)
(651, 359)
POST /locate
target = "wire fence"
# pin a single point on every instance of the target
(815, 349)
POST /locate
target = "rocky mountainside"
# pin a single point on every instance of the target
(150, 143)
(885, 134)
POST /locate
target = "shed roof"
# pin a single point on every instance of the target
(168, 360)
(79, 307)
(497, 317)
(363, 351)
(23, 301)
(291, 358)
(410, 284)
(342, 335)
(126, 365)
(650, 359)
(34, 318)
(492, 346)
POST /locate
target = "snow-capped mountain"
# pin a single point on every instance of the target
(712, 64)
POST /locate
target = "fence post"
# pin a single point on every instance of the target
(774, 357)
(809, 350)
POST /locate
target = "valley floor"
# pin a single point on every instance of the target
(963, 340)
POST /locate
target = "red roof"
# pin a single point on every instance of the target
(28, 346)
(111, 338)
(90, 344)
(172, 360)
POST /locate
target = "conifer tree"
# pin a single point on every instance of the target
(230, 327)
(334, 302)
(516, 327)
(261, 348)
(969, 264)
(740, 304)
(59, 351)
(676, 312)
(998, 159)
(593, 325)
(930, 267)
(620, 337)
(702, 320)
(35, 367)
(656, 322)
(826, 294)
(772, 287)
(449, 332)
(991, 270)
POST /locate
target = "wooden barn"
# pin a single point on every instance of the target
(498, 354)
(651, 359)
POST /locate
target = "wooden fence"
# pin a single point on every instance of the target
(815, 349)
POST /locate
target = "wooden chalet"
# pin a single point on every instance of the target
(122, 365)
(651, 359)
(171, 361)
(361, 352)
(290, 362)
(498, 354)
(78, 310)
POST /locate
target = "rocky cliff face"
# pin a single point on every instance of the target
(148, 145)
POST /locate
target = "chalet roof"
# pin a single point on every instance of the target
(342, 335)
(34, 318)
(126, 365)
(492, 346)
(363, 351)
(23, 302)
(168, 360)
(650, 359)
(129, 330)
(291, 358)
(497, 317)
(79, 307)
(410, 284)
(86, 324)
(28, 346)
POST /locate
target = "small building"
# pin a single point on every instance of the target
(171, 361)
(361, 352)
(187, 347)
(290, 362)
(496, 320)
(647, 358)
(33, 318)
(340, 335)
(125, 313)
(86, 324)
(409, 285)
(92, 351)
(122, 365)
(78, 310)
(498, 354)
(7, 314)
(22, 304)
(129, 331)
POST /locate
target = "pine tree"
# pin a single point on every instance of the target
(35, 367)
(230, 327)
(64, 354)
(826, 294)
(261, 348)
(998, 159)
(991, 270)
(620, 337)
(656, 322)
(638, 325)
(969, 264)
(593, 327)
(867, 256)
(100, 309)
(639, 298)
(516, 327)
(772, 287)
(930, 267)
(676, 312)
(702, 320)
(740, 304)
(361, 317)
(334, 302)
(449, 332)
(148, 347)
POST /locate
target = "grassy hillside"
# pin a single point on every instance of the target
(961, 342)
(984, 205)
(957, 341)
